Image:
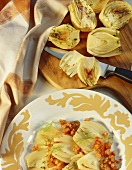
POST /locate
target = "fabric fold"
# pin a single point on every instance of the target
(19, 68)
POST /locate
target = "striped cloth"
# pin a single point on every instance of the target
(24, 29)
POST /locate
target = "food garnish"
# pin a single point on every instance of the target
(82, 15)
(87, 148)
(116, 14)
(64, 36)
(104, 42)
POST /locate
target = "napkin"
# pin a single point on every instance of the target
(24, 29)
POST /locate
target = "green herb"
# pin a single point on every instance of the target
(49, 126)
(86, 135)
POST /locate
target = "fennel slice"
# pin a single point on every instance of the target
(69, 61)
(62, 152)
(33, 158)
(73, 163)
(89, 161)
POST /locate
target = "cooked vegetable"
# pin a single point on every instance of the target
(69, 62)
(104, 42)
(73, 163)
(116, 14)
(82, 15)
(46, 135)
(87, 133)
(88, 70)
(64, 36)
(97, 5)
(88, 162)
(88, 149)
(62, 148)
(36, 159)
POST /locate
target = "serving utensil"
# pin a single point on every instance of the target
(106, 69)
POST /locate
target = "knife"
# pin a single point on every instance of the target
(106, 69)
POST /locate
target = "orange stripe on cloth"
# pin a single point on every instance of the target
(8, 13)
(16, 7)
(23, 7)
(25, 87)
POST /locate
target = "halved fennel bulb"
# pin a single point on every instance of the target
(104, 42)
(87, 68)
(64, 36)
(82, 16)
(116, 14)
(97, 5)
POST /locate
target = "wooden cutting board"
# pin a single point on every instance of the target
(49, 66)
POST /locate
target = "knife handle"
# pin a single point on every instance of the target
(124, 74)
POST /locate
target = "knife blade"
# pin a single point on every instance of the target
(106, 69)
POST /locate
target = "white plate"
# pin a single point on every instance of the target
(70, 104)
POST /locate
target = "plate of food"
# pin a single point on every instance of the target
(72, 128)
